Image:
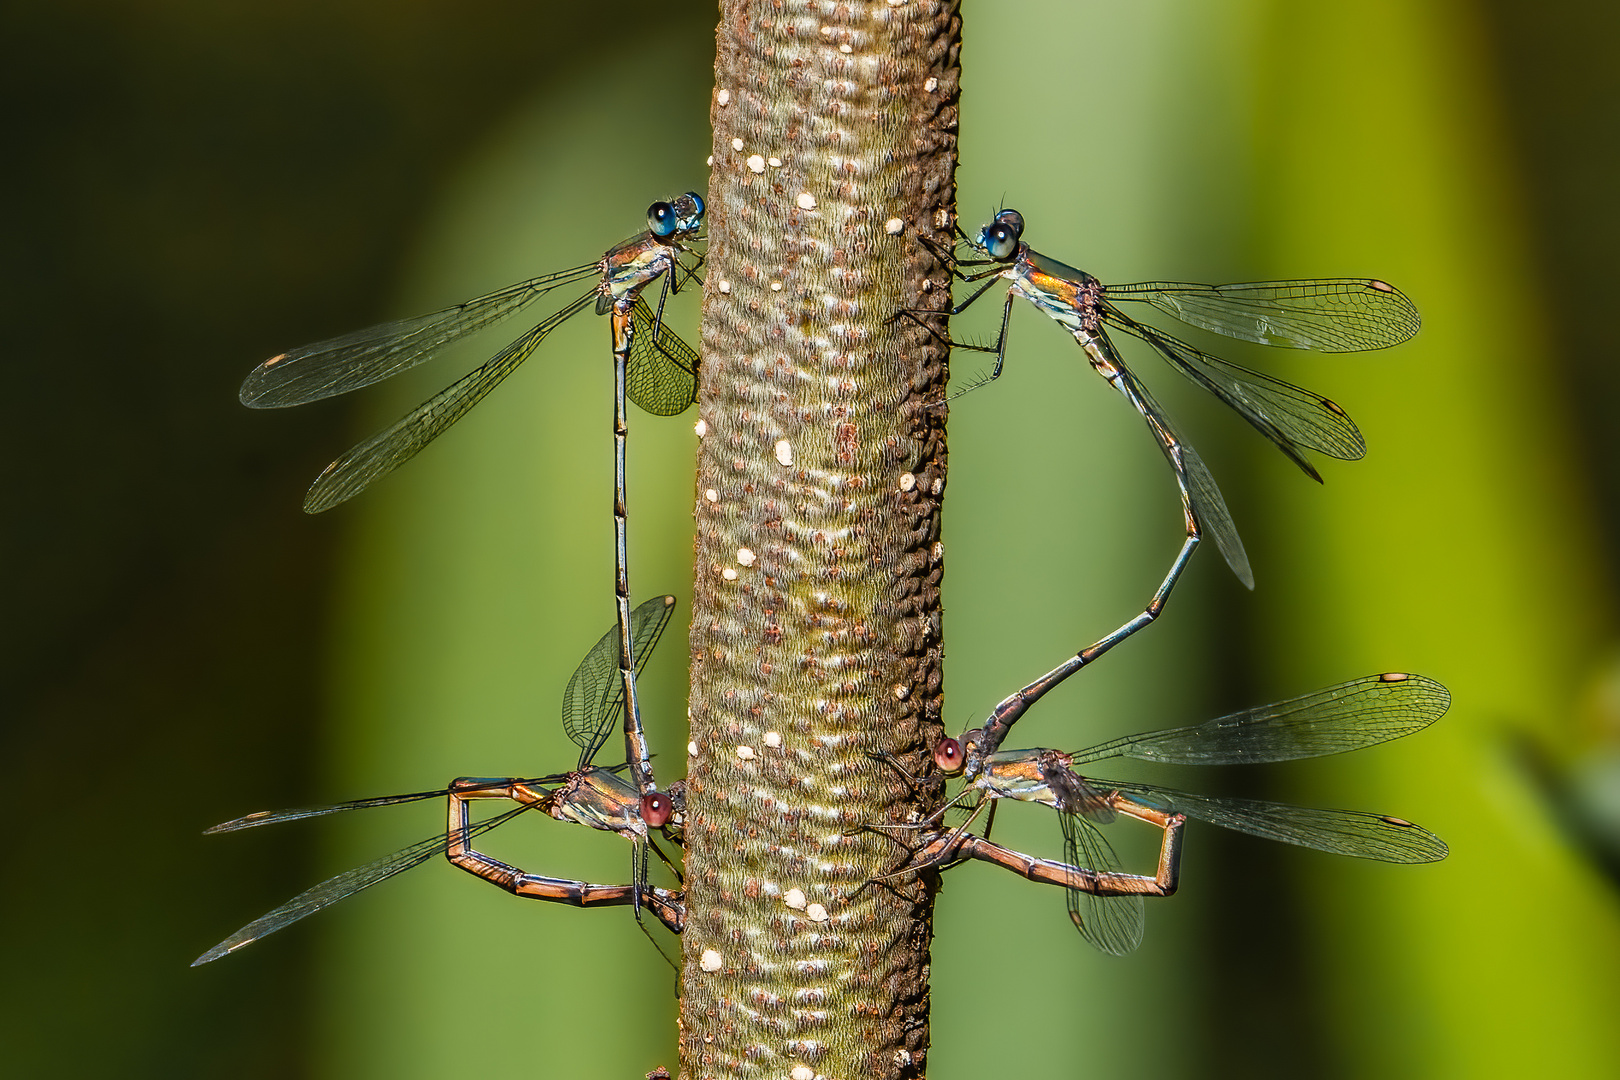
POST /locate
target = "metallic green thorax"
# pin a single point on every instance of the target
(602, 800)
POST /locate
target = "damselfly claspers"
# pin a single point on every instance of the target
(1327, 315)
(589, 795)
(1105, 903)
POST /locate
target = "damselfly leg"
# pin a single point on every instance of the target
(1350, 716)
(589, 795)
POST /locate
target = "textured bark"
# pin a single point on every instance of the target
(816, 619)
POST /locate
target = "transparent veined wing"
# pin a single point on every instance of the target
(1214, 519)
(406, 437)
(593, 701)
(661, 376)
(1327, 314)
(1356, 833)
(1292, 417)
(341, 364)
(277, 817)
(1111, 924)
(1355, 714)
(345, 885)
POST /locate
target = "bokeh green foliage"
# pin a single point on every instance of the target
(403, 158)
(1165, 139)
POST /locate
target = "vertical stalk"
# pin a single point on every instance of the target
(816, 621)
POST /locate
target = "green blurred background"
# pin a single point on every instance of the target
(192, 187)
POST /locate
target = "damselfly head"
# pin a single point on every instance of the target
(656, 808)
(684, 215)
(949, 757)
(1000, 238)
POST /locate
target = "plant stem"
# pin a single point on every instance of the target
(816, 636)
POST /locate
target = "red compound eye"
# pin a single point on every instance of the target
(655, 808)
(948, 756)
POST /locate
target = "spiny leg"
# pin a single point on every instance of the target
(1051, 872)
(919, 316)
(913, 863)
(1000, 349)
(638, 874)
(691, 272)
(680, 877)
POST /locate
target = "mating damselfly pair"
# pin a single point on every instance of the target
(1326, 315)
(653, 368)
(658, 371)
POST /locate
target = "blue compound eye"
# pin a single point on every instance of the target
(662, 219)
(698, 207)
(1000, 242)
(1000, 237)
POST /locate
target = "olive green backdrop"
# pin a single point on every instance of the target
(193, 189)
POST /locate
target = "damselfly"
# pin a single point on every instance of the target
(589, 795)
(1105, 903)
(651, 366)
(1327, 315)
(657, 370)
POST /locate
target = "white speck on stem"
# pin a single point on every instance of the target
(745, 557)
(806, 201)
(691, 749)
(775, 162)
(711, 495)
(907, 480)
(846, 49)
(773, 739)
(784, 452)
(756, 163)
(701, 427)
(816, 912)
(724, 98)
(729, 574)
(776, 286)
(894, 226)
(709, 161)
(710, 960)
(901, 692)
(736, 144)
(745, 753)
(805, 1072)
(725, 287)
(931, 85)
(794, 899)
